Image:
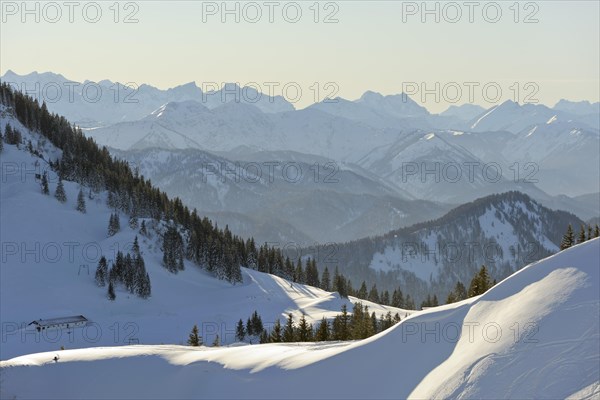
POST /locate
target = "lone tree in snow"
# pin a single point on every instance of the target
(60, 191)
(81, 202)
(194, 339)
(45, 189)
(111, 291)
(102, 272)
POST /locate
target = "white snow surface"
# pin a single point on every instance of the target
(534, 335)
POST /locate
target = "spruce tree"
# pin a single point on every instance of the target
(362, 292)
(590, 235)
(101, 272)
(240, 332)
(136, 247)
(264, 337)
(289, 330)
(114, 225)
(276, 333)
(299, 275)
(460, 291)
(111, 291)
(344, 324)
(581, 237)
(596, 231)
(81, 202)
(44, 184)
(304, 330)
(374, 294)
(385, 298)
(568, 239)
(1, 142)
(216, 342)
(480, 282)
(60, 194)
(397, 299)
(194, 338)
(323, 333)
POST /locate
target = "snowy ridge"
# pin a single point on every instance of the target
(554, 302)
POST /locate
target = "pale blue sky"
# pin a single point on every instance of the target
(369, 48)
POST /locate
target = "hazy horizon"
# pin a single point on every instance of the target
(357, 46)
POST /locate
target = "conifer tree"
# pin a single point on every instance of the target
(326, 280)
(276, 333)
(250, 327)
(362, 292)
(45, 189)
(312, 274)
(113, 224)
(480, 283)
(460, 291)
(240, 332)
(581, 237)
(101, 272)
(385, 298)
(194, 338)
(133, 221)
(590, 236)
(299, 275)
(81, 202)
(264, 337)
(173, 250)
(568, 239)
(111, 291)
(341, 325)
(304, 330)
(216, 342)
(255, 324)
(60, 194)
(596, 231)
(289, 330)
(1, 142)
(143, 230)
(136, 247)
(398, 299)
(374, 294)
(323, 333)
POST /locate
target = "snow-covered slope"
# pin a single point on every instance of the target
(504, 232)
(49, 256)
(534, 335)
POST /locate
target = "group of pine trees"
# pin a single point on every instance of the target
(11, 136)
(569, 239)
(359, 324)
(128, 270)
(480, 283)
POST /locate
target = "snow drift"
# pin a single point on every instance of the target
(534, 335)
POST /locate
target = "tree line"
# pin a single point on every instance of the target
(569, 238)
